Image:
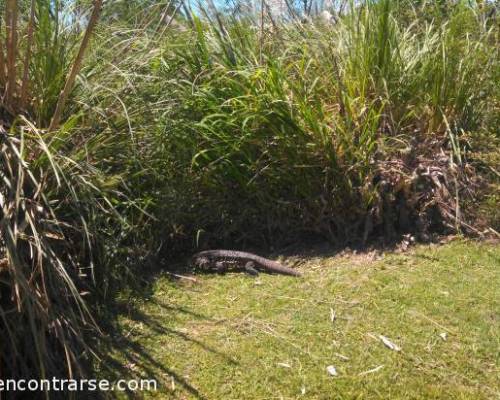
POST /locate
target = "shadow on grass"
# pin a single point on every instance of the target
(123, 353)
(139, 361)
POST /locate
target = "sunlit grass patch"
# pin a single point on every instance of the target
(236, 337)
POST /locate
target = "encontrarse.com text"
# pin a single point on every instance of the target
(76, 385)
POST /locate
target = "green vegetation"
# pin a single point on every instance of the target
(236, 337)
(326, 130)
(129, 138)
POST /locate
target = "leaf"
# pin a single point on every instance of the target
(389, 344)
(331, 370)
(131, 366)
(333, 315)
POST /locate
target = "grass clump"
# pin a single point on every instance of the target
(48, 194)
(347, 130)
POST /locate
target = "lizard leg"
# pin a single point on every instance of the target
(250, 268)
(201, 263)
(220, 267)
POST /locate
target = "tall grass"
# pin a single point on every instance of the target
(322, 128)
(257, 135)
(48, 194)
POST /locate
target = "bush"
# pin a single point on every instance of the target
(346, 130)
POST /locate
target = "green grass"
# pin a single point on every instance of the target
(236, 337)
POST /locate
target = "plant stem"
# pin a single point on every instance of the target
(54, 123)
(24, 87)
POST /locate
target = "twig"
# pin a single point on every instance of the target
(433, 321)
(371, 371)
(188, 278)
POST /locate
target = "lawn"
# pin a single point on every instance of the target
(274, 337)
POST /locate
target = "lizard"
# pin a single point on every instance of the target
(219, 260)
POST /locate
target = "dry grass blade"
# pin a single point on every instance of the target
(45, 299)
(27, 56)
(11, 34)
(3, 74)
(75, 69)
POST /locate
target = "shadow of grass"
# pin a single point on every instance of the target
(139, 361)
(136, 356)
